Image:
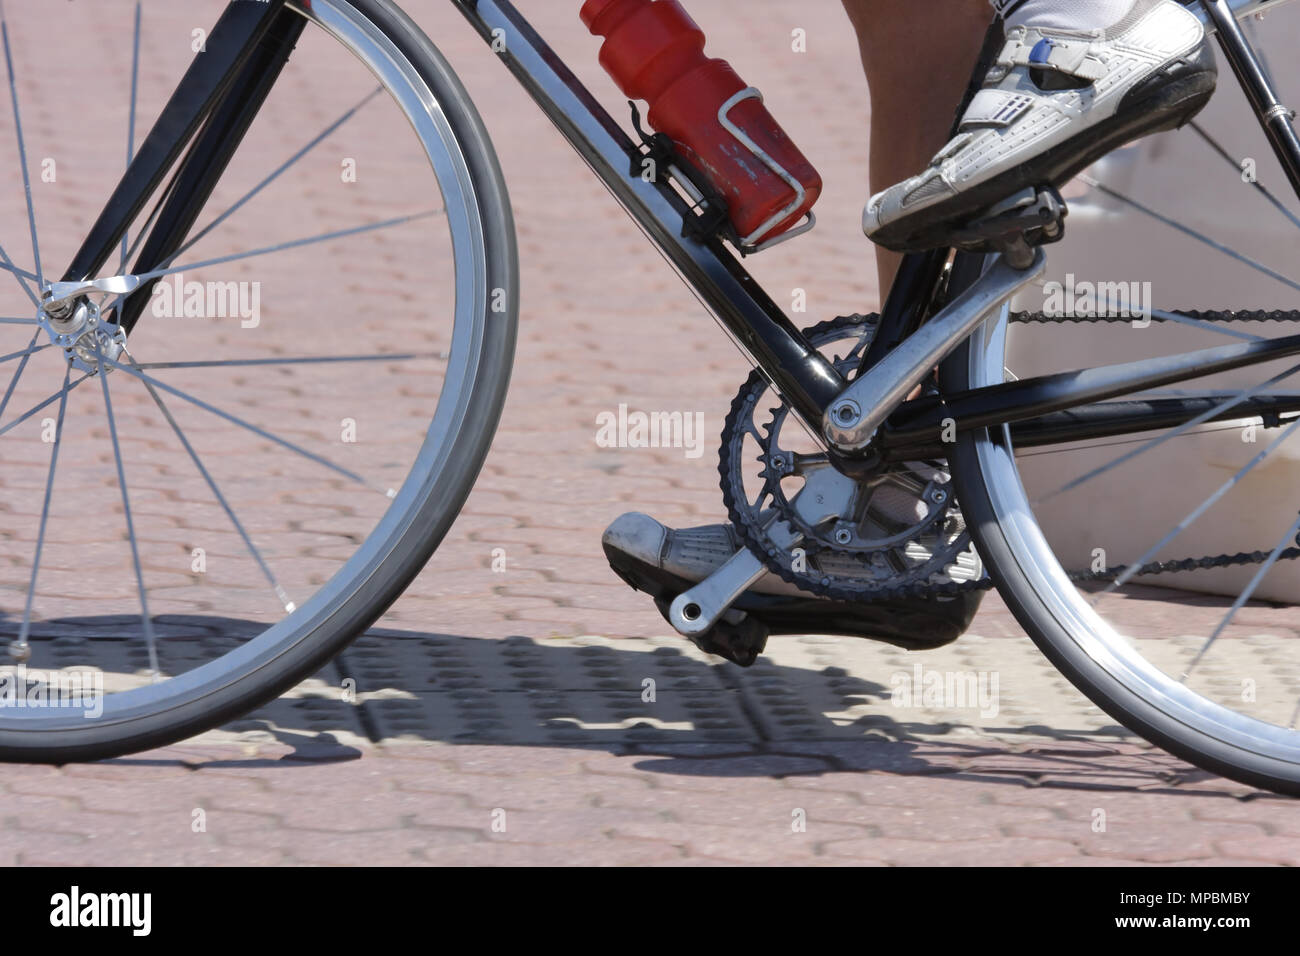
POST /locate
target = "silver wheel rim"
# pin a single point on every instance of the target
(1090, 633)
(409, 90)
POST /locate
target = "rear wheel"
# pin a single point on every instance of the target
(1180, 666)
(193, 525)
(1159, 570)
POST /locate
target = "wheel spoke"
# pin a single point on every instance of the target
(1207, 326)
(22, 146)
(1123, 442)
(1136, 567)
(1233, 400)
(145, 620)
(280, 592)
(292, 244)
(280, 170)
(37, 408)
(25, 629)
(130, 122)
(22, 275)
(299, 360)
(1245, 595)
(19, 354)
(1189, 231)
(1236, 166)
(260, 432)
(18, 373)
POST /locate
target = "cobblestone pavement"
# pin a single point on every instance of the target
(542, 715)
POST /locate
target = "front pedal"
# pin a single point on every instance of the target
(697, 610)
(704, 614)
(737, 636)
(1013, 227)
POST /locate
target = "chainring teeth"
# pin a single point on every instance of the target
(828, 568)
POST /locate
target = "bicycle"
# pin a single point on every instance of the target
(959, 444)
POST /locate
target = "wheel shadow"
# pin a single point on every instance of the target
(662, 701)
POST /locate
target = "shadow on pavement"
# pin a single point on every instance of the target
(659, 700)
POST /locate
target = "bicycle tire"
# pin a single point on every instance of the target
(995, 507)
(409, 539)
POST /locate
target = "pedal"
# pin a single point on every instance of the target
(1013, 227)
(693, 613)
(696, 611)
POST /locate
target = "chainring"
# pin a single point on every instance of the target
(897, 532)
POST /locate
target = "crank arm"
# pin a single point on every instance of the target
(695, 611)
(852, 419)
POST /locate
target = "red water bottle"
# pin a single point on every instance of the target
(655, 52)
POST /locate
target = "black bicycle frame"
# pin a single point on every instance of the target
(221, 93)
(1047, 409)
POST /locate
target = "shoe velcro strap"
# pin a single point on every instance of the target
(1061, 54)
(997, 108)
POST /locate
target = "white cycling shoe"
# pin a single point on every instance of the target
(1053, 103)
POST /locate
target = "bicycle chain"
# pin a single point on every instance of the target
(1226, 315)
(752, 534)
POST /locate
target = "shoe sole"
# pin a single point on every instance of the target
(1170, 107)
(914, 625)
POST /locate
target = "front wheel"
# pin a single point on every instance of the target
(195, 522)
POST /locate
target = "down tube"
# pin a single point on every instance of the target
(802, 376)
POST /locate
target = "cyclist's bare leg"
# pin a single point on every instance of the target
(911, 108)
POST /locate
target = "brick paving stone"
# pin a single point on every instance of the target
(1279, 851)
(699, 807)
(1010, 851)
(522, 690)
(602, 853)
(1138, 842)
(1278, 817)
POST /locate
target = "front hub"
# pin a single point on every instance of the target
(86, 339)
